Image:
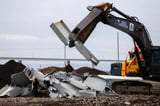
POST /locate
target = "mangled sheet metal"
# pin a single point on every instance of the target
(7, 69)
(31, 82)
(63, 32)
(14, 91)
(20, 85)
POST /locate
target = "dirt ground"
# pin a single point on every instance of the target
(129, 100)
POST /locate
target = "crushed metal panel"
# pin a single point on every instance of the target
(66, 89)
(78, 84)
(20, 79)
(61, 30)
(86, 93)
(18, 91)
(86, 53)
(39, 76)
(14, 91)
(96, 83)
(3, 90)
(53, 92)
(111, 77)
(61, 75)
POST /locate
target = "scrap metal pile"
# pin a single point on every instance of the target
(31, 82)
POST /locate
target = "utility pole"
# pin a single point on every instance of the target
(118, 46)
(65, 60)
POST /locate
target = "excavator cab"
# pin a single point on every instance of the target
(130, 66)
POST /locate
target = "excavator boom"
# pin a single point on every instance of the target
(82, 31)
(125, 23)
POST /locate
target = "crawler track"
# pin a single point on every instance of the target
(136, 87)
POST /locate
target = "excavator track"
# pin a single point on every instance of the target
(136, 87)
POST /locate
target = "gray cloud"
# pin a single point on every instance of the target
(33, 17)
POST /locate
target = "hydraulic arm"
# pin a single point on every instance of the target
(128, 24)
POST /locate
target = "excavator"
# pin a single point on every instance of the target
(145, 61)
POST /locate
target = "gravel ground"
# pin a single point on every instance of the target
(129, 100)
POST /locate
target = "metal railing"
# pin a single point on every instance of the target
(56, 59)
(45, 62)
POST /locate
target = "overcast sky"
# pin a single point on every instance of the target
(25, 27)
